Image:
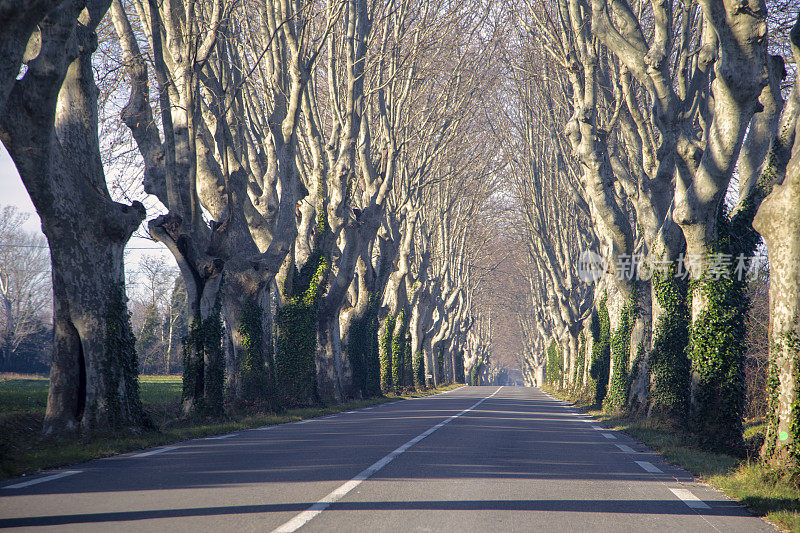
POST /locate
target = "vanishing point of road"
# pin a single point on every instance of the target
(472, 459)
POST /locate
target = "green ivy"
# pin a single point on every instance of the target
(555, 365)
(794, 426)
(475, 373)
(580, 361)
(387, 383)
(408, 363)
(399, 341)
(458, 364)
(601, 352)
(716, 351)
(668, 365)
(620, 351)
(296, 323)
(717, 338)
(204, 364)
(257, 388)
(120, 354)
(363, 350)
(771, 434)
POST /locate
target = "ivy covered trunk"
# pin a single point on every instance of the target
(619, 383)
(571, 357)
(94, 373)
(668, 365)
(639, 346)
(386, 335)
(716, 303)
(203, 355)
(296, 330)
(458, 365)
(716, 340)
(251, 383)
(782, 444)
(359, 332)
(601, 353)
(554, 367)
(399, 341)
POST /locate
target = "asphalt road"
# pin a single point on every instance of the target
(473, 459)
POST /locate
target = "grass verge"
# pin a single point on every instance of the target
(764, 491)
(23, 401)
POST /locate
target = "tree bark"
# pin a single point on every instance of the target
(778, 221)
(49, 126)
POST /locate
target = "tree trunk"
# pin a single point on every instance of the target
(778, 221)
(50, 130)
(640, 349)
(251, 377)
(330, 371)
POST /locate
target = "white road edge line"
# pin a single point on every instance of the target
(650, 467)
(625, 448)
(690, 499)
(220, 437)
(303, 518)
(42, 479)
(157, 450)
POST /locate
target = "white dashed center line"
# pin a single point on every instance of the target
(337, 494)
(610, 436)
(650, 467)
(154, 452)
(624, 448)
(42, 479)
(690, 499)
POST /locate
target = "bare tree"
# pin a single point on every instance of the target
(25, 292)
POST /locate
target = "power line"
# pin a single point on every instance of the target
(47, 247)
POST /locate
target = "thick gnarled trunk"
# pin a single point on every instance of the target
(49, 126)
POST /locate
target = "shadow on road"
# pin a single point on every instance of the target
(660, 507)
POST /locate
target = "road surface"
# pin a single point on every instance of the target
(473, 459)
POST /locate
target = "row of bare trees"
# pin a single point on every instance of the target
(318, 188)
(652, 145)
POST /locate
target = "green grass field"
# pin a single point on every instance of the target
(29, 394)
(23, 400)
